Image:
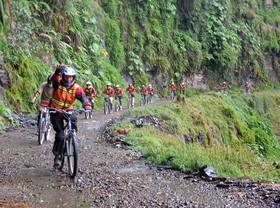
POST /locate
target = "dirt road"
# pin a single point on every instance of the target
(108, 176)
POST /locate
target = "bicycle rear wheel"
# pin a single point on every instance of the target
(72, 156)
(41, 132)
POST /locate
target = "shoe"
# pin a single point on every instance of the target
(57, 162)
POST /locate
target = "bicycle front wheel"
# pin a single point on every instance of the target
(72, 156)
(86, 114)
(41, 133)
(106, 108)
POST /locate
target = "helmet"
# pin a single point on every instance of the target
(88, 83)
(49, 80)
(183, 83)
(143, 86)
(117, 86)
(246, 82)
(108, 84)
(224, 82)
(172, 83)
(150, 85)
(129, 84)
(68, 71)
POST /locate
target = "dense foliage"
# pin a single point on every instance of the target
(239, 140)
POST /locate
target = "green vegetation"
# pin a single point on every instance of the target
(238, 140)
(141, 39)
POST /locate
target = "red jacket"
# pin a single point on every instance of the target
(143, 91)
(109, 92)
(184, 87)
(91, 93)
(173, 87)
(118, 92)
(131, 90)
(150, 90)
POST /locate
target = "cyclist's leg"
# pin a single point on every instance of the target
(74, 121)
(132, 100)
(120, 100)
(57, 123)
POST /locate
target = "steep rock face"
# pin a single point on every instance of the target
(196, 81)
(269, 67)
(4, 76)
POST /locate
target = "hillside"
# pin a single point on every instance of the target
(201, 42)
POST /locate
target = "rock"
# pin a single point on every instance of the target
(201, 137)
(188, 139)
(207, 173)
(222, 185)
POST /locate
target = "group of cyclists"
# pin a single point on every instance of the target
(224, 88)
(61, 90)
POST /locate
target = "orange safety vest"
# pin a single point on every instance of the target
(64, 98)
(184, 87)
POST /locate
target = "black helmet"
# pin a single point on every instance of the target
(50, 79)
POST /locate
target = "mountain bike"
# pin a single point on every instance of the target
(44, 125)
(89, 113)
(247, 90)
(117, 104)
(172, 97)
(107, 105)
(70, 149)
(150, 96)
(129, 101)
(143, 100)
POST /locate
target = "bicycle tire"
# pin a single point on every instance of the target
(106, 109)
(48, 131)
(41, 133)
(117, 106)
(72, 156)
(87, 114)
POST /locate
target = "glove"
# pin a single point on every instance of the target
(87, 107)
(58, 70)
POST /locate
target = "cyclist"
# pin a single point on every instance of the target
(173, 89)
(119, 95)
(144, 93)
(183, 88)
(131, 91)
(247, 87)
(110, 92)
(224, 87)
(151, 91)
(46, 89)
(90, 92)
(66, 91)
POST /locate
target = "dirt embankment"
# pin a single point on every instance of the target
(109, 176)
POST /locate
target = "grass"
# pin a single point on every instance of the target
(239, 134)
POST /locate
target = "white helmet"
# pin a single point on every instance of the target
(117, 86)
(172, 83)
(246, 82)
(88, 83)
(183, 83)
(150, 85)
(224, 82)
(143, 86)
(68, 71)
(108, 84)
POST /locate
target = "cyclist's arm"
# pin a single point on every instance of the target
(80, 95)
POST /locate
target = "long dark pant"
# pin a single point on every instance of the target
(120, 99)
(57, 122)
